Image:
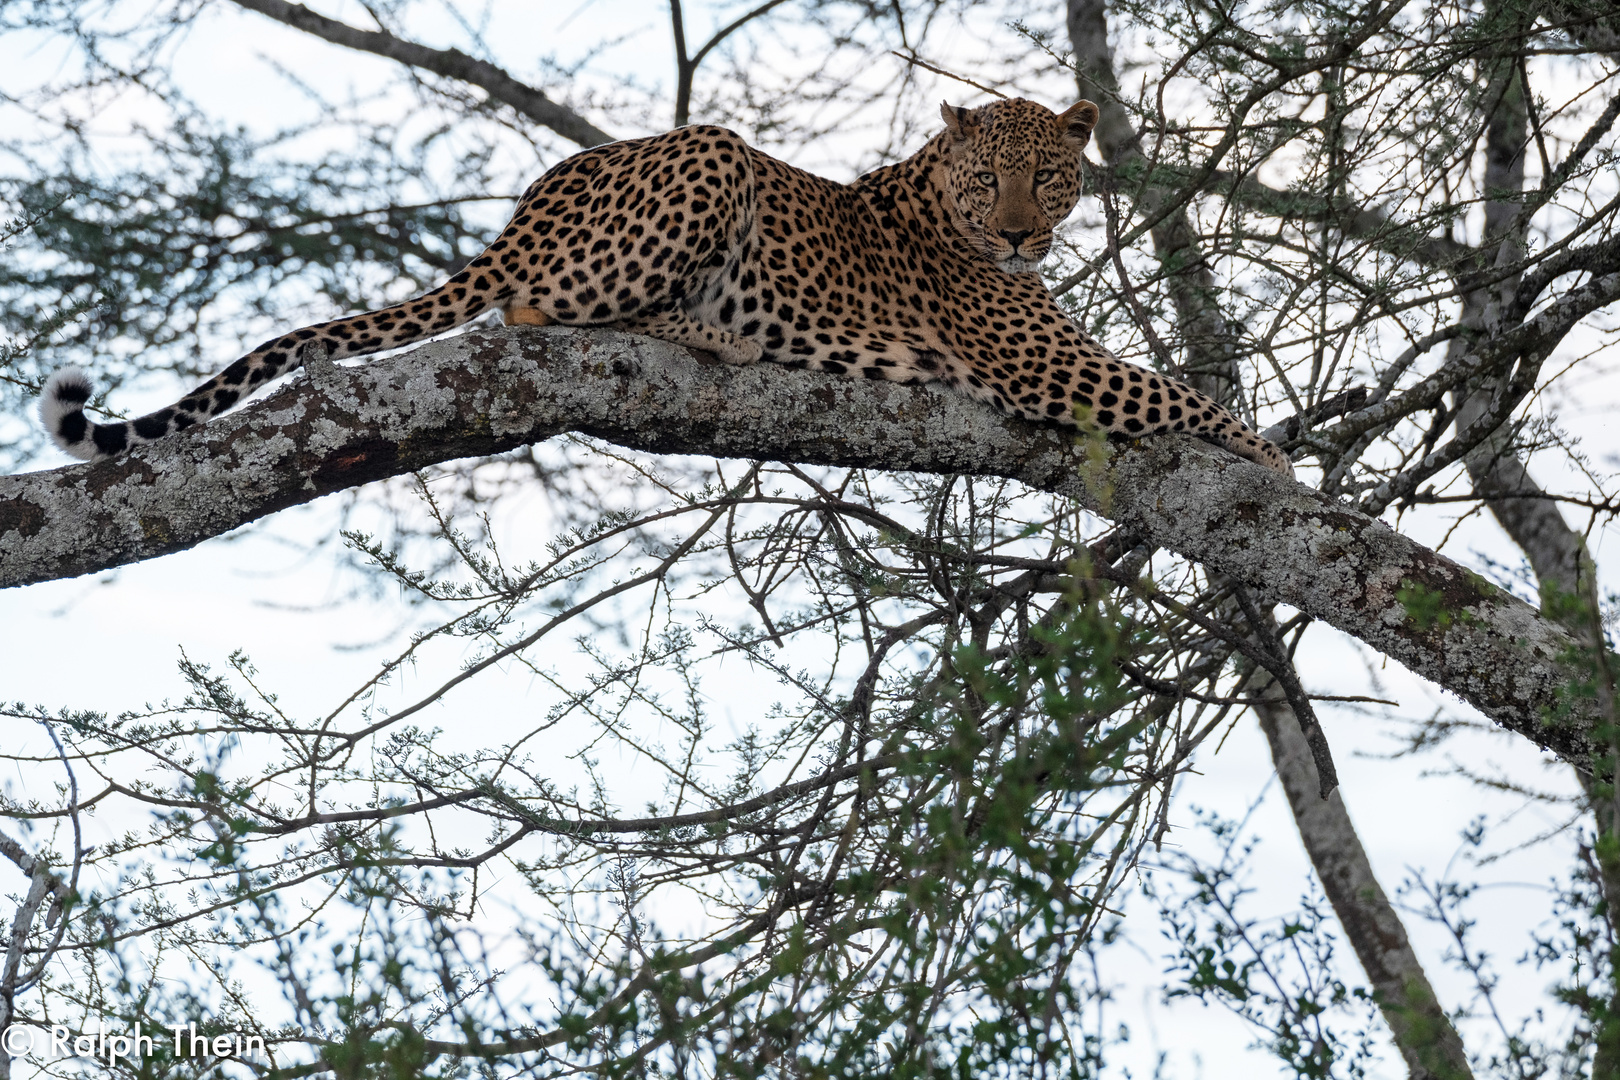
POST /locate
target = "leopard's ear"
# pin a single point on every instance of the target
(1077, 121)
(959, 121)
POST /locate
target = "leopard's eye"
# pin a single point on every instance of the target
(1043, 175)
(988, 179)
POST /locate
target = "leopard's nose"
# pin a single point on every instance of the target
(1014, 238)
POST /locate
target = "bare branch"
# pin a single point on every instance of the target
(450, 63)
(1539, 334)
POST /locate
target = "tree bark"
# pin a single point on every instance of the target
(1558, 555)
(492, 390)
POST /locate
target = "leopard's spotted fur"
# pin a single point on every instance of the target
(920, 270)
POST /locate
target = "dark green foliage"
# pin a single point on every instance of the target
(1283, 975)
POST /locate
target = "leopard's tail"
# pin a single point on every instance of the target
(459, 300)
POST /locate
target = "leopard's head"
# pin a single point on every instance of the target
(1013, 174)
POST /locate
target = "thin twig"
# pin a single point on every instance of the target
(1111, 216)
(918, 62)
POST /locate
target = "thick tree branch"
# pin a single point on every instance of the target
(492, 390)
(450, 63)
(1558, 555)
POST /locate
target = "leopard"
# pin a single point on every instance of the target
(924, 270)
